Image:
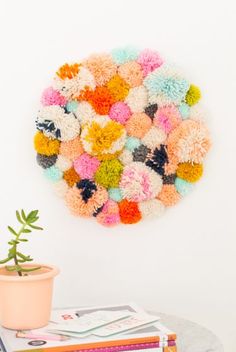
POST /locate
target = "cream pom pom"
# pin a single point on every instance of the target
(154, 137)
(55, 123)
(71, 87)
(137, 99)
(126, 157)
(151, 208)
(84, 112)
(63, 163)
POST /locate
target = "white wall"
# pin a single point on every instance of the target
(182, 264)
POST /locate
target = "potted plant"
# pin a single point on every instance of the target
(25, 288)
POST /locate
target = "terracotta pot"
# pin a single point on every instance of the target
(25, 301)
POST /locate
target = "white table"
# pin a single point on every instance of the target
(191, 337)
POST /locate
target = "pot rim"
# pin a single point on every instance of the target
(53, 271)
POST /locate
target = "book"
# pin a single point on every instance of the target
(149, 336)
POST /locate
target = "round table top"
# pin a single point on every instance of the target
(191, 337)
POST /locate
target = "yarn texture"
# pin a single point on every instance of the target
(121, 136)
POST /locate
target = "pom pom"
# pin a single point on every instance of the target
(102, 68)
(150, 110)
(84, 112)
(55, 123)
(154, 137)
(86, 166)
(167, 118)
(118, 88)
(120, 112)
(53, 173)
(101, 99)
(183, 187)
(166, 86)
(52, 97)
(151, 208)
(71, 106)
(123, 55)
(138, 125)
(68, 71)
(85, 198)
(115, 194)
(46, 161)
(190, 141)
(102, 137)
(138, 182)
(141, 153)
(193, 95)
(109, 215)
(129, 212)
(63, 163)
(132, 143)
(168, 195)
(137, 99)
(132, 73)
(71, 177)
(44, 145)
(71, 88)
(149, 61)
(184, 111)
(157, 159)
(126, 157)
(190, 172)
(108, 173)
(72, 149)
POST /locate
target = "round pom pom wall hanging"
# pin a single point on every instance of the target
(120, 136)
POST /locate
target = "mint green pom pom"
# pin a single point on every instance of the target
(71, 106)
(182, 186)
(184, 110)
(53, 173)
(123, 55)
(115, 194)
(132, 143)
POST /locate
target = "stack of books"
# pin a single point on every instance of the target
(96, 329)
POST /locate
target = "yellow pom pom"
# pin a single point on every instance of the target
(118, 88)
(193, 95)
(44, 145)
(190, 172)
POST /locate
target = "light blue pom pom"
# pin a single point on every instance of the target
(53, 173)
(184, 110)
(71, 106)
(115, 194)
(123, 55)
(182, 186)
(173, 88)
(132, 143)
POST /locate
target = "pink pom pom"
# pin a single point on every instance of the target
(167, 118)
(86, 165)
(120, 112)
(51, 96)
(149, 60)
(109, 216)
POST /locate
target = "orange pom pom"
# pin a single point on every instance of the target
(68, 71)
(71, 177)
(129, 212)
(101, 99)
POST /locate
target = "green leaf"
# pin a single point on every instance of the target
(26, 231)
(18, 217)
(33, 214)
(30, 269)
(13, 268)
(11, 243)
(23, 240)
(24, 257)
(23, 215)
(12, 230)
(5, 260)
(36, 227)
(15, 242)
(34, 220)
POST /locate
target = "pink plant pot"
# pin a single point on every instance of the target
(25, 301)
